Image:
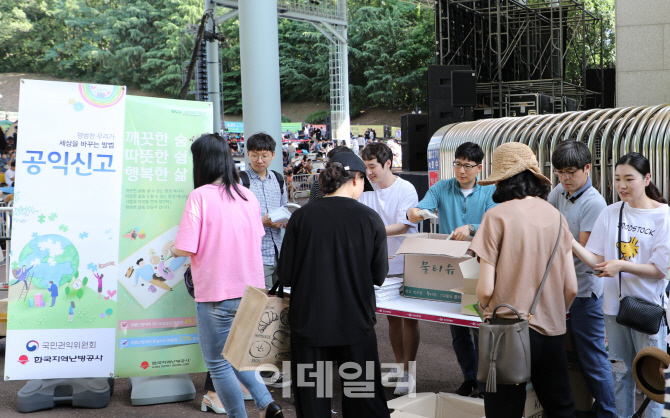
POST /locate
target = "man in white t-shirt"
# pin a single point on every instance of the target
(10, 175)
(391, 199)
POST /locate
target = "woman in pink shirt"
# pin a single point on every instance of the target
(221, 231)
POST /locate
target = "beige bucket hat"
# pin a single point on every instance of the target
(510, 159)
(648, 369)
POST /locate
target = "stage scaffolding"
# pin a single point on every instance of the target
(518, 46)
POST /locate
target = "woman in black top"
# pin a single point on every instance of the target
(332, 313)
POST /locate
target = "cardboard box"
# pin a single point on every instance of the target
(470, 271)
(533, 409)
(436, 405)
(450, 405)
(466, 300)
(431, 266)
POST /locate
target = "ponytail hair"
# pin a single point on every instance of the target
(641, 164)
(333, 176)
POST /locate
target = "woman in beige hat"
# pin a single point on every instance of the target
(514, 244)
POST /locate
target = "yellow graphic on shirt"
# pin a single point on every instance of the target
(629, 249)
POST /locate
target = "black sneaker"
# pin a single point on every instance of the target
(477, 394)
(467, 388)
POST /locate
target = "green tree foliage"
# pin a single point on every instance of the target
(391, 46)
(303, 60)
(80, 293)
(231, 72)
(143, 43)
(14, 19)
(136, 43)
(317, 117)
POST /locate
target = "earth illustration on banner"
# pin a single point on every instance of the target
(49, 258)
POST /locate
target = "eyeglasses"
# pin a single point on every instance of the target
(260, 157)
(467, 167)
(565, 174)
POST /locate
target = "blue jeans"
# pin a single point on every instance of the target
(624, 344)
(214, 321)
(466, 351)
(587, 326)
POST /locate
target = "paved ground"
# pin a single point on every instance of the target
(436, 370)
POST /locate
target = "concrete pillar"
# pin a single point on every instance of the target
(213, 68)
(259, 59)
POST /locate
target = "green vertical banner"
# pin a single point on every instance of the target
(156, 330)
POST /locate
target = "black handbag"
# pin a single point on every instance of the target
(188, 282)
(640, 315)
(504, 344)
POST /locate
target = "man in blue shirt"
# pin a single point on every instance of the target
(581, 205)
(460, 204)
(54, 293)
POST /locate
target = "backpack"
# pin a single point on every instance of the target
(246, 183)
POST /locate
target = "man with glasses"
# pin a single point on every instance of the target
(460, 204)
(268, 186)
(581, 204)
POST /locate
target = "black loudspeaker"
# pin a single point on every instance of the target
(594, 82)
(570, 104)
(439, 80)
(414, 142)
(441, 109)
(463, 88)
(440, 113)
(329, 134)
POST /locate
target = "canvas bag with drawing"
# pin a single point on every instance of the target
(260, 333)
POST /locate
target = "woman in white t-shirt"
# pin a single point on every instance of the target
(645, 245)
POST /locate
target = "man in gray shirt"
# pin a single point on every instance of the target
(581, 204)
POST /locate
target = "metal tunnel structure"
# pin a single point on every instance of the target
(609, 134)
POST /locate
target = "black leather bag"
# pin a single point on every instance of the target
(640, 315)
(504, 344)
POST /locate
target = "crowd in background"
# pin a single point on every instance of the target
(7, 158)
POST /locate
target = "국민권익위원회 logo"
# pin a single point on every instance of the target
(32, 345)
